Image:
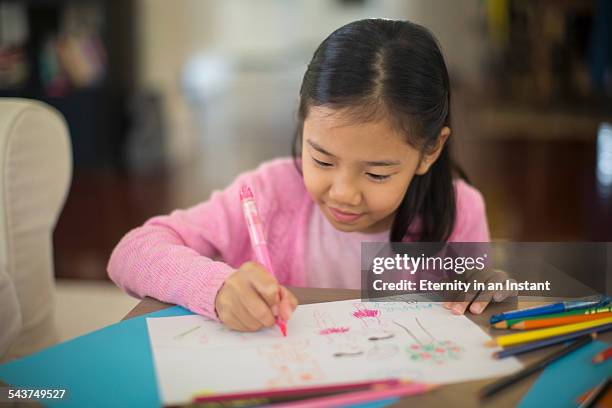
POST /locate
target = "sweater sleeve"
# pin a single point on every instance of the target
(471, 221)
(170, 257)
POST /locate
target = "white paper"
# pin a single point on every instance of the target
(327, 343)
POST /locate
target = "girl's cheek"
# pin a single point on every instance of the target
(386, 201)
(320, 185)
(314, 182)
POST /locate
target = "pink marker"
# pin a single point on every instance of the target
(258, 241)
(360, 397)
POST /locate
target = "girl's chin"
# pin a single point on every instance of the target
(345, 227)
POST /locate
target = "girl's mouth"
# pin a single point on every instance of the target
(344, 217)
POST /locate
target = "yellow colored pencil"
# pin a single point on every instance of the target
(524, 337)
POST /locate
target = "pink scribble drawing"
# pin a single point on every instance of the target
(369, 318)
(361, 313)
(327, 325)
(334, 330)
(293, 364)
(343, 342)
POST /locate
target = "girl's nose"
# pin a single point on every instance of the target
(345, 193)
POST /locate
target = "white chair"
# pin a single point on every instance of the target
(35, 173)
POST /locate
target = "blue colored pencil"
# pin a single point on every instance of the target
(551, 308)
(524, 348)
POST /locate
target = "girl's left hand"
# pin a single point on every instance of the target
(479, 300)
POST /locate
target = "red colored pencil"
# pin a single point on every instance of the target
(603, 356)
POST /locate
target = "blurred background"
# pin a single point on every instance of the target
(169, 100)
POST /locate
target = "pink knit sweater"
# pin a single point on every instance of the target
(176, 258)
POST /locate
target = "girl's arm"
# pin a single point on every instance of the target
(170, 257)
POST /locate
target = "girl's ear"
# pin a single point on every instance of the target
(431, 157)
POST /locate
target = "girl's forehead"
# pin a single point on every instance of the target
(335, 132)
(349, 116)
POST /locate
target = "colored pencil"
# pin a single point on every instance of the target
(258, 240)
(597, 394)
(551, 308)
(551, 341)
(360, 397)
(598, 310)
(504, 324)
(502, 383)
(299, 392)
(557, 321)
(524, 337)
(603, 356)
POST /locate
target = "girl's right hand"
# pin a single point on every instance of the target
(249, 299)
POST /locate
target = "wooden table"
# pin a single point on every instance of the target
(453, 395)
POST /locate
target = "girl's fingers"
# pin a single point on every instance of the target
(257, 309)
(252, 298)
(288, 303)
(293, 301)
(244, 315)
(236, 309)
(481, 302)
(233, 322)
(458, 308)
(265, 285)
(504, 294)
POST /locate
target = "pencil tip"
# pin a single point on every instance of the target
(490, 343)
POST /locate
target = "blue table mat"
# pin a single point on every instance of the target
(110, 367)
(561, 383)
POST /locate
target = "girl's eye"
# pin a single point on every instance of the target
(322, 164)
(377, 177)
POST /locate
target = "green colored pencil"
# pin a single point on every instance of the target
(505, 324)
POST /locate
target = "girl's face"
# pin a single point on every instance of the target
(358, 173)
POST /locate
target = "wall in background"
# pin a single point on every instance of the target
(171, 34)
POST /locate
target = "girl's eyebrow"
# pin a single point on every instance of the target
(367, 163)
(319, 148)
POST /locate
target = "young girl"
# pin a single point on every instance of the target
(371, 163)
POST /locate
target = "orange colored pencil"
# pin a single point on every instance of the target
(558, 321)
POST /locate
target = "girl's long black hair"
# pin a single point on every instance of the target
(385, 68)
